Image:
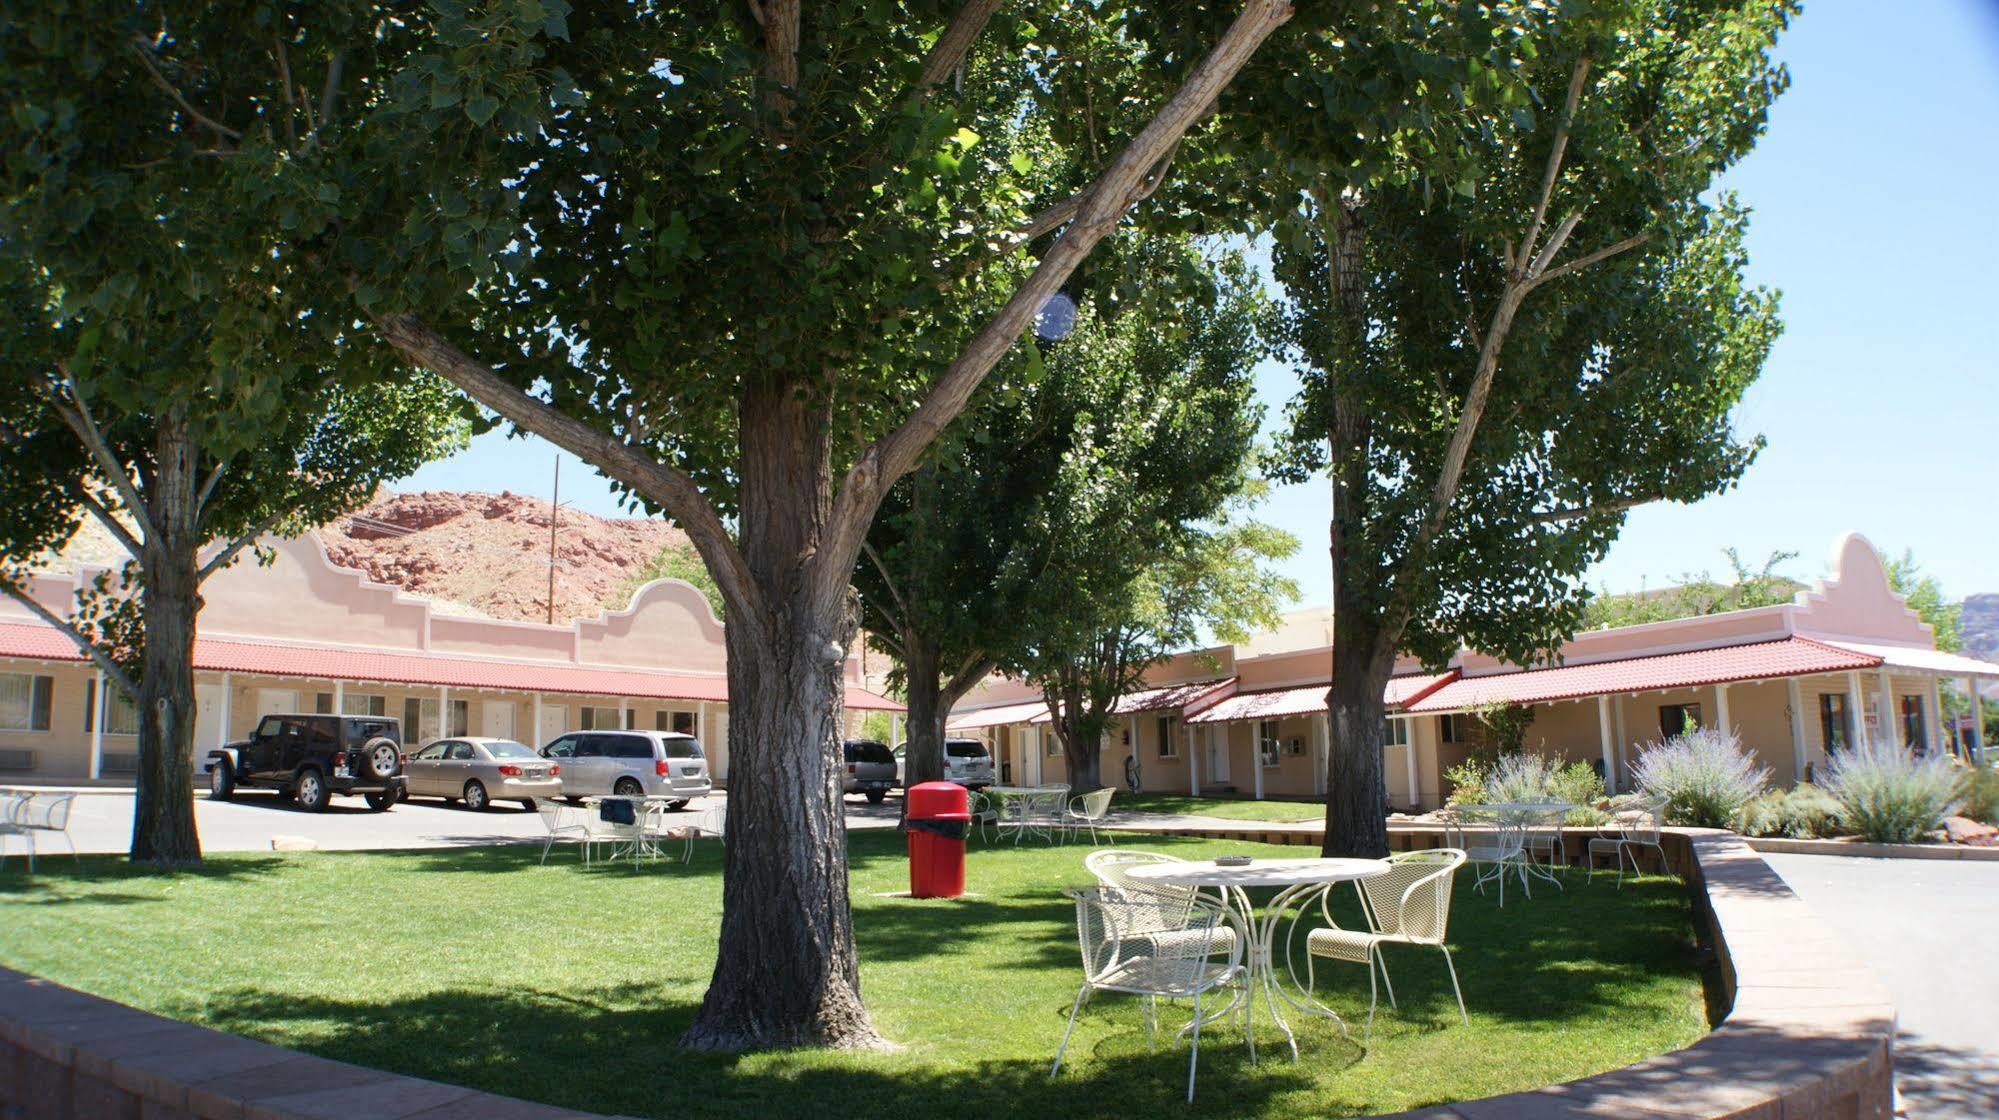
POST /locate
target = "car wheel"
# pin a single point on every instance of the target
(475, 797)
(309, 790)
(676, 806)
(628, 787)
(875, 796)
(380, 800)
(380, 757)
(221, 781)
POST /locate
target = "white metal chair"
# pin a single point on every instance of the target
(12, 804)
(1495, 847)
(1116, 961)
(1410, 904)
(561, 821)
(1637, 829)
(985, 814)
(1087, 811)
(46, 812)
(597, 830)
(709, 820)
(1110, 865)
(1545, 841)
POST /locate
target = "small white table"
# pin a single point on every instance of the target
(1027, 809)
(1528, 816)
(1297, 882)
(642, 839)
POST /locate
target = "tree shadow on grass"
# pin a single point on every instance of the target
(61, 879)
(612, 1050)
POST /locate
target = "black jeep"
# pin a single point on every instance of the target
(312, 757)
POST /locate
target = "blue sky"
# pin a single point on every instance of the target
(1875, 216)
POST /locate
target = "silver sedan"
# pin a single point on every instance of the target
(480, 771)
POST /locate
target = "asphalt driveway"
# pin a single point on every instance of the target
(1926, 928)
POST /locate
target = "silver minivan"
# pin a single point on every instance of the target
(631, 764)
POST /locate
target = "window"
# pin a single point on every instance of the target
(1834, 721)
(1676, 719)
(1167, 747)
(1051, 744)
(321, 734)
(1395, 733)
(600, 719)
(322, 703)
(964, 748)
(460, 752)
(121, 715)
(1268, 747)
(564, 747)
(1914, 733)
(461, 717)
(1451, 729)
(683, 722)
(420, 722)
(364, 704)
(432, 752)
(627, 746)
(25, 702)
(507, 748)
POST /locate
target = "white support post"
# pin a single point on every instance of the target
(1409, 760)
(1609, 744)
(624, 713)
(1256, 755)
(534, 732)
(443, 712)
(1889, 732)
(1856, 715)
(894, 728)
(1796, 698)
(1322, 739)
(227, 690)
(339, 698)
(1193, 763)
(1977, 719)
(1721, 721)
(97, 725)
(1137, 756)
(1933, 719)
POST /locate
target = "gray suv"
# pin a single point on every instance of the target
(870, 769)
(631, 764)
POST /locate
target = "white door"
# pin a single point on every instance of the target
(208, 730)
(496, 719)
(1030, 750)
(554, 721)
(1218, 754)
(276, 701)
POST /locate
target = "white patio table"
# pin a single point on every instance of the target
(1297, 882)
(1026, 809)
(1527, 816)
(642, 839)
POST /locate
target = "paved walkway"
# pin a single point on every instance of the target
(1925, 927)
(101, 821)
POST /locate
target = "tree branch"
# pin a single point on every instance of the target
(888, 581)
(1555, 153)
(974, 669)
(779, 20)
(949, 51)
(81, 640)
(229, 552)
(1583, 262)
(1573, 513)
(636, 467)
(1097, 214)
(75, 412)
(145, 52)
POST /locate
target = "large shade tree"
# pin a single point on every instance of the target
(156, 379)
(1535, 325)
(749, 260)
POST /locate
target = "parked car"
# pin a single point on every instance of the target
(480, 771)
(966, 762)
(312, 757)
(871, 769)
(631, 764)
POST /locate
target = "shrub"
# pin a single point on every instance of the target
(1578, 784)
(1978, 789)
(1806, 812)
(1889, 795)
(1467, 781)
(1532, 777)
(1703, 776)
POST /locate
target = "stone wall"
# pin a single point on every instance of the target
(1809, 1033)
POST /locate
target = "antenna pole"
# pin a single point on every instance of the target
(554, 515)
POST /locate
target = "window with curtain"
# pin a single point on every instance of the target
(122, 716)
(1167, 746)
(363, 704)
(1268, 747)
(1915, 735)
(25, 701)
(420, 720)
(600, 719)
(1833, 721)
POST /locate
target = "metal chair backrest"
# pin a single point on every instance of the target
(12, 804)
(1107, 919)
(713, 821)
(554, 815)
(46, 811)
(1094, 806)
(1640, 825)
(1484, 834)
(1412, 898)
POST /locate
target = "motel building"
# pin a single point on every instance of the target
(1846, 660)
(304, 635)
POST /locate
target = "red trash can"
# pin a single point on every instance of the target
(936, 816)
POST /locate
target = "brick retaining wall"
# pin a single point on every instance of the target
(1809, 1033)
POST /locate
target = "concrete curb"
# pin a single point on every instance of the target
(1861, 848)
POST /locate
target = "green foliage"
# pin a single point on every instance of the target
(1703, 776)
(1698, 593)
(1804, 812)
(1978, 794)
(1889, 795)
(1925, 596)
(1505, 727)
(1467, 781)
(676, 560)
(1520, 777)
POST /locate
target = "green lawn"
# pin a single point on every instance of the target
(569, 986)
(1232, 808)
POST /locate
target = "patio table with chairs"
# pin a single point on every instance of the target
(635, 832)
(1500, 838)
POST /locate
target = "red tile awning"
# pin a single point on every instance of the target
(1785, 657)
(1309, 700)
(284, 659)
(1166, 698)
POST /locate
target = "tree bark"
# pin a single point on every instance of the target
(785, 966)
(163, 828)
(1081, 750)
(1356, 788)
(923, 758)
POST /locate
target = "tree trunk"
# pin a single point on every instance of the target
(786, 974)
(1081, 750)
(923, 757)
(163, 828)
(1356, 788)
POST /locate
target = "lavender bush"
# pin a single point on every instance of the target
(1703, 776)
